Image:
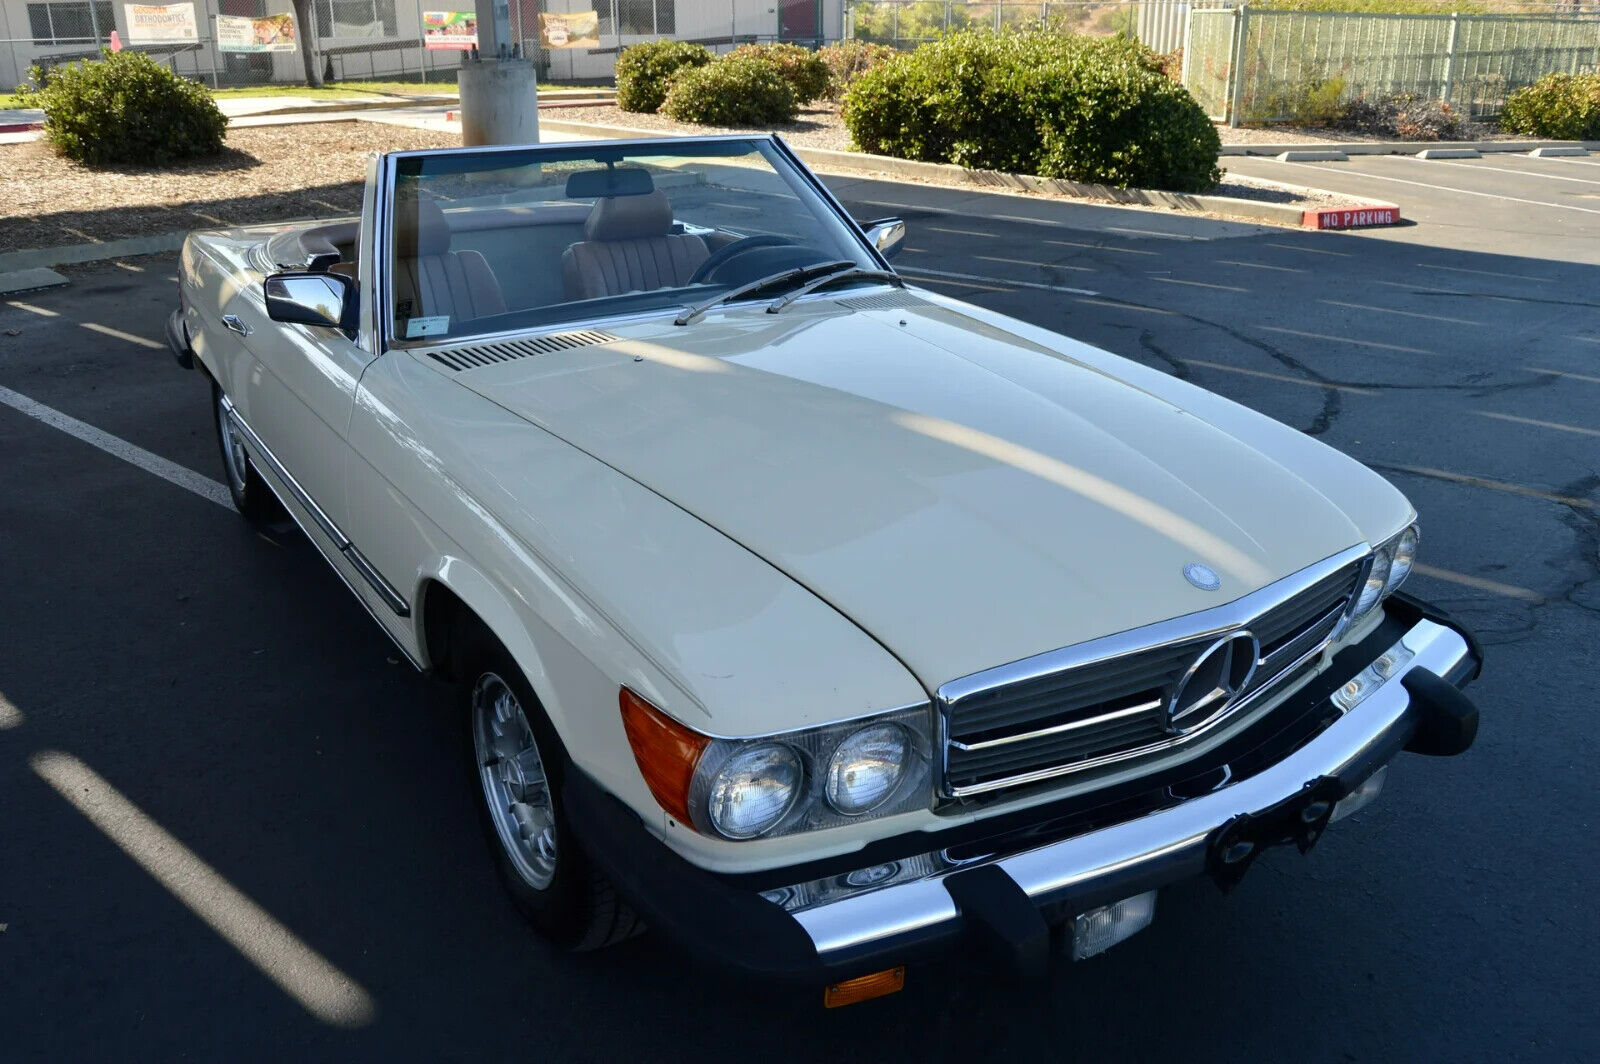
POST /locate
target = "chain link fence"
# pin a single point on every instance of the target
(1276, 66)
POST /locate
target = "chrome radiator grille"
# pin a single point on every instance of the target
(1104, 701)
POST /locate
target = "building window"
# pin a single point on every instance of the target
(638, 18)
(63, 23)
(356, 18)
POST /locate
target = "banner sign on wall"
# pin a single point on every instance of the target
(161, 23)
(577, 29)
(274, 33)
(450, 29)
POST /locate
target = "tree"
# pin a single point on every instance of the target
(308, 42)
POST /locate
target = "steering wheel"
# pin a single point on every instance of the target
(728, 252)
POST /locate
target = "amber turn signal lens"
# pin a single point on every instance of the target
(865, 987)
(666, 751)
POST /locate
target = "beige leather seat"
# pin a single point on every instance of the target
(431, 280)
(628, 246)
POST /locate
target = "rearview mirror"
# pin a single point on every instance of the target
(885, 234)
(325, 299)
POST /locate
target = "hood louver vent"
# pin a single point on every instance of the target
(882, 301)
(464, 358)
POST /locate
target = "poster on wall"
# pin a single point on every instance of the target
(161, 24)
(576, 29)
(450, 29)
(274, 33)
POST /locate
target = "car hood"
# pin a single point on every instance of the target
(966, 496)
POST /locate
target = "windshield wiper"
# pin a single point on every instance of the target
(854, 273)
(784, 276)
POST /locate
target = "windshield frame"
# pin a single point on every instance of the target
(383, 245)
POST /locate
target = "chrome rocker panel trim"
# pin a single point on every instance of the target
(358, 561)
(1171, 843)
(1217, 621)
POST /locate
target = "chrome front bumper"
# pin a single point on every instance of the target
(844, 920)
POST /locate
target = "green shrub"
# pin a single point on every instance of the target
(127, 108)
(1080, 108)
(1560, 106)
(733, 91)
(850, 59)
(644, 71)
(805, 71)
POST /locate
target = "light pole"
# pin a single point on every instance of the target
(499, 93)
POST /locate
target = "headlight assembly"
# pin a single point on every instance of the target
(1391, 564)
(781, 784)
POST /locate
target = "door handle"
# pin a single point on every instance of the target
(232, 322)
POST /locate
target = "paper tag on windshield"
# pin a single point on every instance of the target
(435, 326)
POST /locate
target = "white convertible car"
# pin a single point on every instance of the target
(817, 620)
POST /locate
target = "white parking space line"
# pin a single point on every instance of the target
(302, 973)
(1200, 284)
(1100, 247)
(1563, 373)
(1310, 251)
(1113, 304)
(1558, 426)
(1349, 340)
(31, 309)
(1485, 273)
(10, 715)
(1497, 485)
(956, 232)
(1041, 265)
(1494, 587)
(1261, 266)
(1447, 188)
(1006, 281)
(1504, 170)
(106, 330)
(171, 472)
(1365, 307)
(1285, 378)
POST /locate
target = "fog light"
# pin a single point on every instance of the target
(1099, 929)
(1369, 679)
(1361, 797)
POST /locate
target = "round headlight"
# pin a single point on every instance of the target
(1405, 552)
(866, 768)
(1377, 577)
(754, 789)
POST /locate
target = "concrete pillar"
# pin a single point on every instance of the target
(499, 101)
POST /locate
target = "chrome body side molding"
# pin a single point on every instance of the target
(386, 591)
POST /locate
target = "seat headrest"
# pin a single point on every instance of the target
(629, 217)
(420, 229)
(612, 181)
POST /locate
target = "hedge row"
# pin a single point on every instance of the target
(1560, 106)
(752, 85)
(1081, 108)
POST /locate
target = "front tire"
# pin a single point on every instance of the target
(518, 764)
(251, 496)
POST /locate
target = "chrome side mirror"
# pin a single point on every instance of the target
(885, 234)
(325, 299)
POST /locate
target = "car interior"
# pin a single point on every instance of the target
(605, 234)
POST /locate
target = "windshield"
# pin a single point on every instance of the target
(491, 241)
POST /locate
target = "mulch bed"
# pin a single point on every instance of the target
(265, 174)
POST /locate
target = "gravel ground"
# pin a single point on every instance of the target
(266, 173)
(1319, 135)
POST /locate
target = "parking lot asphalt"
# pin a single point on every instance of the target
(233, 823)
